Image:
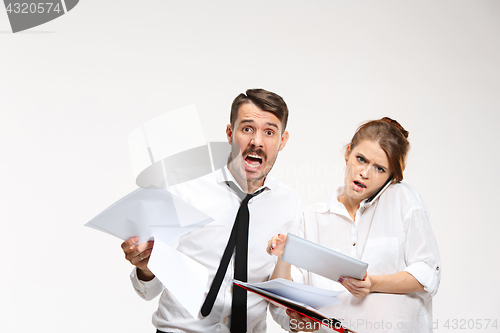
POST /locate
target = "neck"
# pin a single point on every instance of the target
(246, 186)
(350, 204)
(253, 186)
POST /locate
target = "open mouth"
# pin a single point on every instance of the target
(253, 161)
(359, 185)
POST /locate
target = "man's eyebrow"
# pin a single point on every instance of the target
(248, 121)
(273, 125)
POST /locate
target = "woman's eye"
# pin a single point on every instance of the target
(379, 169)
(361, 159)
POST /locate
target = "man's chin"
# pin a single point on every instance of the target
(248, 175)
(254, 176)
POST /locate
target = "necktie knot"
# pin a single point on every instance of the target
(245, 197)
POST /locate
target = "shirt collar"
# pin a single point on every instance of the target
(224, 175)
(336, 207)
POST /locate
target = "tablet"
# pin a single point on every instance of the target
(321, 260)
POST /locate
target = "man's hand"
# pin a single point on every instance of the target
(299, 323)
(276, 245)
(138, 255)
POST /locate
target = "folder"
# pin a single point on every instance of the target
(293, 303)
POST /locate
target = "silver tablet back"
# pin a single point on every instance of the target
(321, 260)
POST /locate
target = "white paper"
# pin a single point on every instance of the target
(152, 214)
(185, 278)
(314, 297)
(149, 212)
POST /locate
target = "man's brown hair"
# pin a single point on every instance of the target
(264, 100)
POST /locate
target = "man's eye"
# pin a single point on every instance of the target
(269, 133)
(361, 159)
(247, 129)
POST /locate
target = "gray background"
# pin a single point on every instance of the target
(73, 89)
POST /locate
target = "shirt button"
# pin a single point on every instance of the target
(437, 268)
(224, 320)
(354, 244)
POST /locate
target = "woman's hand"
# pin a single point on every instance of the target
(299, 323)
(276, 245)
(358, 288)
(282, 269)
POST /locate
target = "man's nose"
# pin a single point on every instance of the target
(257, 139)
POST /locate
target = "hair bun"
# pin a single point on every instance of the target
(397, 125)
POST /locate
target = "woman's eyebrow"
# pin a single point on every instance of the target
(381, 166)
(364, 157)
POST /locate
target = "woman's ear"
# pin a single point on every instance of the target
(347, 152)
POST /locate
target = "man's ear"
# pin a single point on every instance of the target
(229, 133)
(284, 139)
(347, 153)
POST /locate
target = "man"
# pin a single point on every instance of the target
(256, 134)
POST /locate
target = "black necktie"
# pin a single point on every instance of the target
(238, 239)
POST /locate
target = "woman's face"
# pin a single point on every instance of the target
(367, 170)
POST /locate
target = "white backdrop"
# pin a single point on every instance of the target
(73, 89)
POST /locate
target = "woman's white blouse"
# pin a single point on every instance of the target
(392, 234)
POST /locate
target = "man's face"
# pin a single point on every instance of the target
(255, 141)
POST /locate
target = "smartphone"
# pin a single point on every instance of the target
(384, 187)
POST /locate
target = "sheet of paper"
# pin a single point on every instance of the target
(312, 296)
(157, 214)
(165, 153)
(147, 212)
(185, 278)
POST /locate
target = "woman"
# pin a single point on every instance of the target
(390, 231)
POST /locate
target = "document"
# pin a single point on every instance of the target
(157, 214)
(300, 298)
(148, 213)
(165, 154)
(188, 281)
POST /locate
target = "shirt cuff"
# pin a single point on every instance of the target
(141, 287)
(426, 275)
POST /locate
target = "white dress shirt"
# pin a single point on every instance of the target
(393, 234)
(276, 210)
